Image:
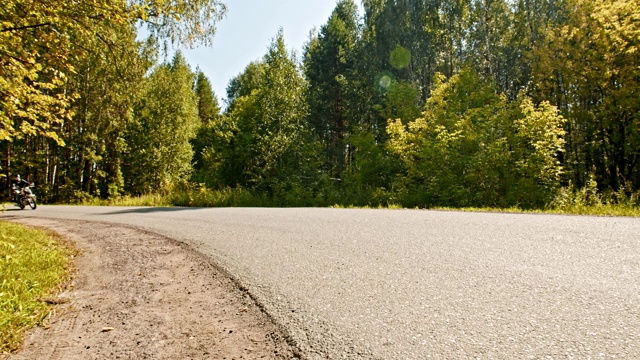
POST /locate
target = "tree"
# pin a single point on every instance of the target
(593, 61)
(244, 83)
(490, 42)
(328, 66)
(106, 72)
(271, 134)
(212, 138)
(208, 107)
(224, 147)
(69, 73)
(39, 40)
(107, 90)
(159, 149)
(472, 147)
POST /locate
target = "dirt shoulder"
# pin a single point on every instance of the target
(138, 295)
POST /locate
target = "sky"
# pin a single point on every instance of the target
(245, 33)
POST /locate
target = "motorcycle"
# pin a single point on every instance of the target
(24, 197)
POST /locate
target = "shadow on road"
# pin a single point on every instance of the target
(149, 210)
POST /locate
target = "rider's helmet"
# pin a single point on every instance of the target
(17, 177)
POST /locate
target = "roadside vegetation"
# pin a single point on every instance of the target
(586, 201)
(411, 103)
(33, 268)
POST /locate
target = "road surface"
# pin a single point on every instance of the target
(411, 284)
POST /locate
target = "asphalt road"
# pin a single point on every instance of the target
(410, 284)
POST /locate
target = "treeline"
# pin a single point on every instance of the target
(84, 110)
(415, 102)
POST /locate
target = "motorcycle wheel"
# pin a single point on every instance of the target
(21, 204)
(32, 203)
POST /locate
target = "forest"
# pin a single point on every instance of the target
(525, 104)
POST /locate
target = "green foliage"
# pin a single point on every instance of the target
(199, 195)
(329, 69)
(269, 146)
(474, 148)
(421, 103)
(159, 149)
(186, 22)
(368, 180)
(592, 59)
(212, 136)
(158, 199)
(244, 83)
(208, 107)
(33, 266)
(400, 102)
(588, 200)
(541, 132)
(214, 153)
(107, 91)
(34, 65)
(36, 61)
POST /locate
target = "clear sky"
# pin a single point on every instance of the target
(245, 33)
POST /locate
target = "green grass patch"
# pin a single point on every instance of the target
(144, 200)
(33, 266)
(600, 210)
(191, 197)
(203, 197)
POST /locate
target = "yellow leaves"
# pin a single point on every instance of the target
(418, 125)
(400, 141)
(5, 134)
(396, 130)
(542, 129)
(621, 22)
(29, 107)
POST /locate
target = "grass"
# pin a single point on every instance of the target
(598, 210)
(33, 266)
(191, 197)
(145, 200)
(568, 201)
(592, 210)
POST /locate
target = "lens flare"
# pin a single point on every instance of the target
(400, 57)
(384, 80)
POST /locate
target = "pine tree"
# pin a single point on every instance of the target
(329, 63)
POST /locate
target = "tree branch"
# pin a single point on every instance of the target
(25, 27)
(25, 62)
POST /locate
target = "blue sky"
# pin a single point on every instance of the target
(246, 32)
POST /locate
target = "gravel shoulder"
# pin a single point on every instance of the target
(140, 295)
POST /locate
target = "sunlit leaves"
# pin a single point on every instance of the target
(188, 22)
(267, 113)
(541, 129)
(621, 22)
(329, 67)
(167, 119)
(466, 150)
(40, 39)
(589, 69)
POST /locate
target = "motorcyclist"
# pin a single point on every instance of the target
(18, 184)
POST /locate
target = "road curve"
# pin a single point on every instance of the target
(410, 284)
